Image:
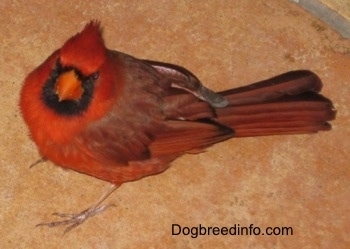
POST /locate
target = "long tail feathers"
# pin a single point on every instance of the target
(286, 104)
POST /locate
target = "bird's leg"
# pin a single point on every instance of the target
(74, 220)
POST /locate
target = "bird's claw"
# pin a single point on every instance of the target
(74, 220)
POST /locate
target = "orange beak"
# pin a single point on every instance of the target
(68, 86)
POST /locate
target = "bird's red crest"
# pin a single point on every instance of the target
(85, 50)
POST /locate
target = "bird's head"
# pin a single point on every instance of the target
(72, 80)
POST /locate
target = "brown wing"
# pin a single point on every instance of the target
(150, 117)
(188, 136)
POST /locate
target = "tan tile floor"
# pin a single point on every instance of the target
(340, 6)
(298, 181)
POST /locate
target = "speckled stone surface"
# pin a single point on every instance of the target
(342, 7)
(294, 181)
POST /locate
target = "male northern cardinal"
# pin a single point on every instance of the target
(118, 118)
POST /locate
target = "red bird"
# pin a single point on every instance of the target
(118, 118)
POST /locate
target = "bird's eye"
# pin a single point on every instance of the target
(95, 76)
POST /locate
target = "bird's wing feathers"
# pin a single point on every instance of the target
(182, 78)
(154, 118)
(188, 107)
(189, 137)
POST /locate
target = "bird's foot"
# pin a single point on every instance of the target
(74, 220)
